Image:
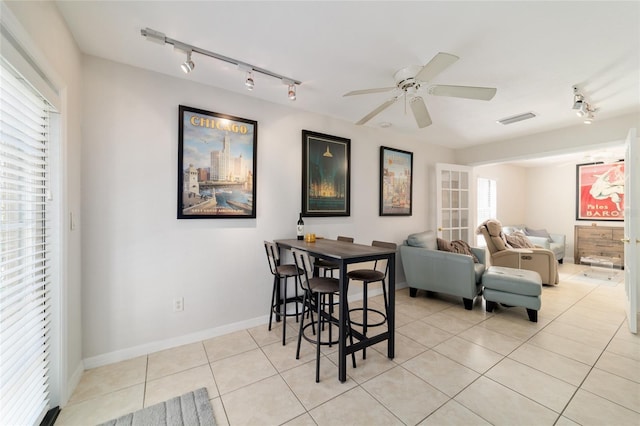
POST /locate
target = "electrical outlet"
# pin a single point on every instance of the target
(178, 304)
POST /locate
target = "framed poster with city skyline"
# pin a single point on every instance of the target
(396, 182)
(216, 165)
(326, 162)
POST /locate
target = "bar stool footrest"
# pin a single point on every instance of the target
(377, 324)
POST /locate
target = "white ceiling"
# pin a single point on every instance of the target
(532, 52)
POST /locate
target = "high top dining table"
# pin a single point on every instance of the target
(344, 254)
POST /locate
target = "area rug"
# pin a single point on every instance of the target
(190, 409)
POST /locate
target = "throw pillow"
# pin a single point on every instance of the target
(519, 240)
(537, 233)
(457, 246)
(426, 239)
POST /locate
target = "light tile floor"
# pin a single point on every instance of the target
(577, 365)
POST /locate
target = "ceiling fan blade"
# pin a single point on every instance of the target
(436, 65)
(468, 92)
(378, 110)
(367, 91)
(420, 112)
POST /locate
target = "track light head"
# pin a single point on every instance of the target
(291, 88)
(249, 81)
(188, 65)
(588, 119)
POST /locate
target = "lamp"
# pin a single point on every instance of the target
(292, 92)
(188, 65)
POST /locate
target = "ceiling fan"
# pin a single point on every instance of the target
(411, 79)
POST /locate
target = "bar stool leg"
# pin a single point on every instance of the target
(364, 315)
(273, 300)
(318, 339)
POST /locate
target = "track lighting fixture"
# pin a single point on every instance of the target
(588, 119)
(188, 65)
(249, 81)
(582, 107)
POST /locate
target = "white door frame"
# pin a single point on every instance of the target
(631, 220)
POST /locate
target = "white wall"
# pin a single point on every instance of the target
(138, 256)
(511, 197)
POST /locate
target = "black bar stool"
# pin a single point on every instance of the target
(279, 301)
(367, 276)
(316, 290)
(325, 266)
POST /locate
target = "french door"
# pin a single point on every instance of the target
(631, 220)
(453, 202)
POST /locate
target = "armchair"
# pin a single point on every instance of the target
(540, 260)
(427, 268)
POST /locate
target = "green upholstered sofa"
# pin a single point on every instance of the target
(427, 268)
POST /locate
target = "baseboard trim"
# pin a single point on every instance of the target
(159, 345)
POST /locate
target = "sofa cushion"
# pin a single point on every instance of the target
(426, 239)
(457, 246)
(537, 233)
(519, 240)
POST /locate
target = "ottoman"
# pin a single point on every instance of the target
(513, 287)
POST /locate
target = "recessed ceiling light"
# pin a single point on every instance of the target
(385, 124)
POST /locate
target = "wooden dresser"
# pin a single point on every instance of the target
(599, 241)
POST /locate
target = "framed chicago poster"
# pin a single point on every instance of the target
(396, 179)
(325, 175)
(600, 191)
(216, 165)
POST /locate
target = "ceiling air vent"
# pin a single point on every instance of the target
(516, 118)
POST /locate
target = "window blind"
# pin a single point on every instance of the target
(25, 240)
(487, 204)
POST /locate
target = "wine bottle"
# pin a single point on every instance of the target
(300, 229)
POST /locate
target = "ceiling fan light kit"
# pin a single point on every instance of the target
(410, 80)
(188, 65)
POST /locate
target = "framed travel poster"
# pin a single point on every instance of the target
(600, 191)
(396, 182)
(216, 165)
(325, 175)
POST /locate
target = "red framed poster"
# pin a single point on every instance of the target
(600, 191)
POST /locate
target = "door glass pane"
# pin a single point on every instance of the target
(446, 202)
(464, 199)
(455, 235)
(464, 180)
(464, 218)
(445, 179)
(446, 220)
(455, 199)
(455, 219)
(455, 180)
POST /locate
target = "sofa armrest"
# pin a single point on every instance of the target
(540, 241)
(439, 271)
(481, 254)
(559, 239)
